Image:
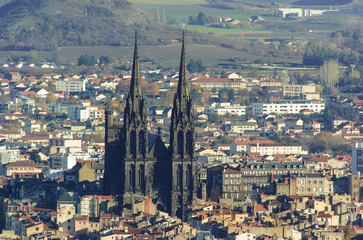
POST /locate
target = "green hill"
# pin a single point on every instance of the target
(46, 24)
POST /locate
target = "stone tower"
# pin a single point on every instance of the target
(183, 191)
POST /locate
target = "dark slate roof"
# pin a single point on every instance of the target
(65, 198)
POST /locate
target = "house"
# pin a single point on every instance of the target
(13, 76)
(81, 172)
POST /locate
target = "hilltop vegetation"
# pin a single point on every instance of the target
(47, 24)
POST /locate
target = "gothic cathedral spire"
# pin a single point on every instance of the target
(135, 89)
(182, 119)
(183, 190)
(135, 125)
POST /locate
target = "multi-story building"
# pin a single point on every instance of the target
(68, 160)
(241, 127)
(312, 184)
(70, 85)
(357, 158)
(21, 168)
(218, 83)
(94, 205)
(294, 91)
(224, 108)
(288, 106)
(9, 155)
(238, 183)
(274, 148)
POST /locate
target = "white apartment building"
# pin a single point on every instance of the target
(211, 83)
(83, 114)
(224, 108)
(357, 158)
(9, 155)
(67, 161)
(288, 107)
(242, 127)
(274, 148)
(68, 85)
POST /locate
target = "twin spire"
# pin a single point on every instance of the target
(183, 87)
(135, 88)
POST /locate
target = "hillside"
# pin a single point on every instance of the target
(47, 24)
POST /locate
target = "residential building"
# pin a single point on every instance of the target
(238, 183)
(288, 106)
(274, 148)
(94, 205)
(235, 109)
(21, 168)
(8, 155)
(294, 91)
(70, 85)
(357, 158)
(218, 83)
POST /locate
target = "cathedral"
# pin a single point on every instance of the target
(139, 163)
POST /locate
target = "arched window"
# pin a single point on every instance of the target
(141, 142)
(189, 142)
(133, 176)
(177, 177)
(141, 176)
(133, 142)
(130, 177)
(180, 143)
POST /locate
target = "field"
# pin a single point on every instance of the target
(167, 56)
(273, 27)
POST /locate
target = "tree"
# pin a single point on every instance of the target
(318, 146)
(87, 60)
(35, 157)
(201, 19)
(350, 234)
(104, 60)
(226, 94)
(51, 97)
(329, 72)
(196, 66)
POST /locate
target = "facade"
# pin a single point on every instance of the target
(137, 162)
(22, 168)
(217, 83)
(274, 148)
(288, 107)
(357, 158)
(294, 91)
(241, 127)
(230, 109)
(94, 205)
(67, 85)
(9, 155)
(239, 183)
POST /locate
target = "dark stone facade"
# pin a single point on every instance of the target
(137, 162)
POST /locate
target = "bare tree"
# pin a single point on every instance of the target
(329, 72)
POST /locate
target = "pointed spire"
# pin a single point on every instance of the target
(183, 82)
(135, 78)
